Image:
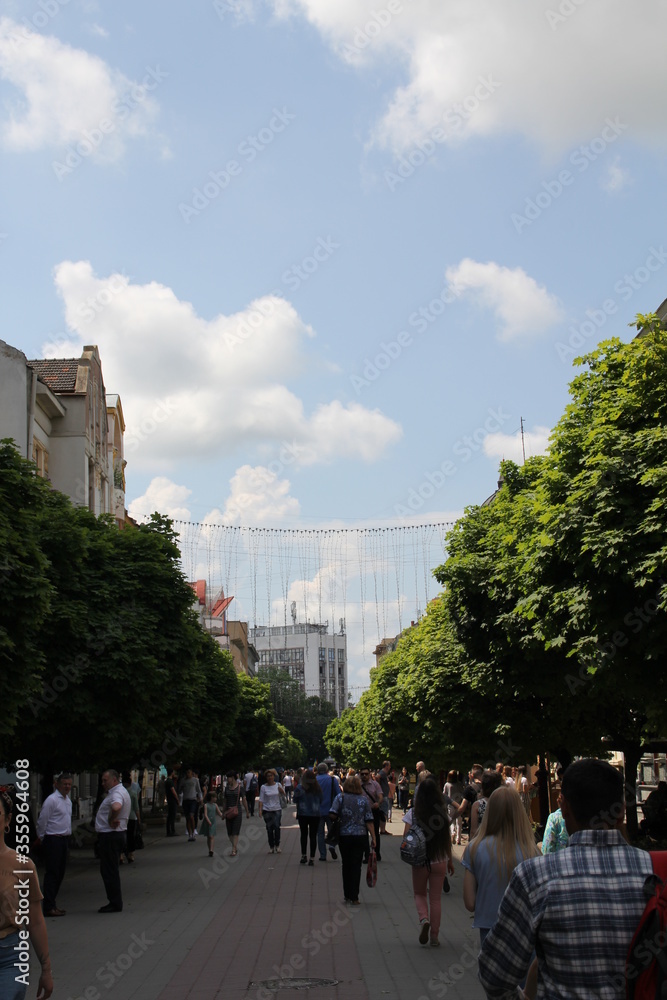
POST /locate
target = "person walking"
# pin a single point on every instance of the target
(12, 904)
(208, 825)
(490, 781)
(330, 789)
(429, 811)
(111, 827)
(505, 839)
(172, 801)
(454, 789)
(270, 809)
(373, 793)
(54, 828)
(403, 790)
(382, 778)
(192, 796)
(353, 810)
(134, 819)
(288, 785)
(250, 782)
(308, 799)
(234, 799)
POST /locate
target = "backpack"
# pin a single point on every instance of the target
(252, 787)
(413, 847)
(646, 961)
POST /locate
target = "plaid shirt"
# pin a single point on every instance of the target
(578, 909)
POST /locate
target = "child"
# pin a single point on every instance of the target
(208, 824)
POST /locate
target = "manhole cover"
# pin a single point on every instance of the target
(293, 984)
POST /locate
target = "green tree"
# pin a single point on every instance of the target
(281, 749)
(607, 491)
(253, 724)
(24, 582)
(306, 718)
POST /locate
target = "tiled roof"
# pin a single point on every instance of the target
(58, 373)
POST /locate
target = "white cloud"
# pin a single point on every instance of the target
(66, 94)
(193, 387)
(522, 307)
(163, 496)
(500, 446)
(615, 177)
(256, 497)
(613, 52)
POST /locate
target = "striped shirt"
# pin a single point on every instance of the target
(578, 909)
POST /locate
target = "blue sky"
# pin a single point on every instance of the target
(329, 248)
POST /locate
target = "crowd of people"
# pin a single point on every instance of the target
(554, 914)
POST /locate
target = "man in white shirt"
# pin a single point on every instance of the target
(250, 782)
(111, 826)
(54, 828)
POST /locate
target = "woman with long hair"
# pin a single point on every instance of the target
(356, 823)
(454, 789)
(403, 789)
(505, 838)
(429, 811)
(308, 798)
(13, 900)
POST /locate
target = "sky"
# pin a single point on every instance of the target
(332, 252)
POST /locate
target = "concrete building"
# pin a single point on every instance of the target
(311, 655)
(230, 635)
(58, 415)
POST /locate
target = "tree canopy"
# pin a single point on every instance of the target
(551, 631)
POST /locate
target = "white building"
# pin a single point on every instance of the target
(59, 416)
(311, 655)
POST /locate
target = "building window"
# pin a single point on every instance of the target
(341, 657)
(40, 457)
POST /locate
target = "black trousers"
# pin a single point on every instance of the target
(309, 825)
(250, 799)
(172, 806)
(55, 859)
(110, 847)
(351, 854)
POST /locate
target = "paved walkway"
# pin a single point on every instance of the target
(198, 928)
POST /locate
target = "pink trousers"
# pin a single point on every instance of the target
(423, 880)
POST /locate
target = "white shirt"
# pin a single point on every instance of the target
(55, 818)
(247, 778)
(269, 796)
(115, 794)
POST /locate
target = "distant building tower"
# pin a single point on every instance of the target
(313, 657)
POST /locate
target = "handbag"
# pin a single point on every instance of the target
(372, 869)
(138, 839)
(283, 799)
(333, 834)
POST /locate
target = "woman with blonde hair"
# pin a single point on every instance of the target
(505, 838)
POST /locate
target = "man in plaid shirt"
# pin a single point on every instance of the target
(577, 909)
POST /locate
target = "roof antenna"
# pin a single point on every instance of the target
(523, 443)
